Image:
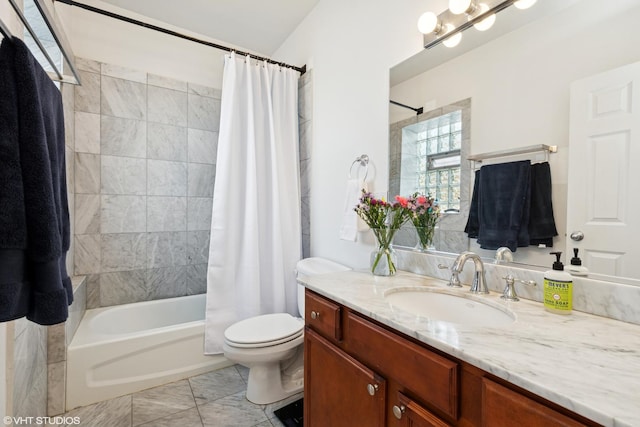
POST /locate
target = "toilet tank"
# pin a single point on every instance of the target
(311, 267)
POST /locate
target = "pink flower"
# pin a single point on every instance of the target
(402, 200)
(422, 200)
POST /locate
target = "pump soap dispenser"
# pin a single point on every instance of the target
(576, 268)
(558, 286)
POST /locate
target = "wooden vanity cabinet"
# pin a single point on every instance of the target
(361, 373)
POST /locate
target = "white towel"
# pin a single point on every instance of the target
(351, 222)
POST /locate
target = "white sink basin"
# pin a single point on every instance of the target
(437, 304)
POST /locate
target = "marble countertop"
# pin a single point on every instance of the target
(585, 363)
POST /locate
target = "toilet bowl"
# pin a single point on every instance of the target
(271, 345)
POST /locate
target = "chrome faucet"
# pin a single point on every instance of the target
(479, 284)
(503, 255)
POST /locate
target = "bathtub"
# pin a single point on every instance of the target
(127, 348)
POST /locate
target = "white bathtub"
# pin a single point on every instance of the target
(127, 348)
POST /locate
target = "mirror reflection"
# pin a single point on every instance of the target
(517, 85)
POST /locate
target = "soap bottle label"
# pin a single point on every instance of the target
(557, 295)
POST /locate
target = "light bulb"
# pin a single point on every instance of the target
(524, 4)
(459, 6)
(487, 22)
(454, 40)
(427, 23)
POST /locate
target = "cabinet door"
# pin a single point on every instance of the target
(411, 414)
(503, 407)
(338, 390)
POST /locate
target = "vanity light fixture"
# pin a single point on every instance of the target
(447, 27)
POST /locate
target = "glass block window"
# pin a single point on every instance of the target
(432, 148)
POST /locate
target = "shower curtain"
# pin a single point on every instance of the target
(255, 225)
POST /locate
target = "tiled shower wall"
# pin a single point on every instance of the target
(305, 122)
(144, 175)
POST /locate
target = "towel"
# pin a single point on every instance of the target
(473, 221)
(542, 225)
(33, 277)
(503, 201)
(351, 222)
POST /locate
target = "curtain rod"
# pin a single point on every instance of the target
(418, 111)
(302, 69)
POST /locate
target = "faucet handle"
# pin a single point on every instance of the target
(509, 293)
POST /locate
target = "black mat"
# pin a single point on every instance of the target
(291, 415)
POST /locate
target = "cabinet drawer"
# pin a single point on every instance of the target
(323, 316)
(502, 406)
(411, 414)
(423, 372)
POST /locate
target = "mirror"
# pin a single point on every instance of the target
(516, 77)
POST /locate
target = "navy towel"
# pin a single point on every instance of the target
(34, 219)
(542, 225)
(503, 203)
(473, 222)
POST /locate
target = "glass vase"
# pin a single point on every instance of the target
(384, 258)
(424, 239)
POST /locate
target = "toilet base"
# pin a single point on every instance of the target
(273, 381)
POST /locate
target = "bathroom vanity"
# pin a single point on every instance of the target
(369, 363)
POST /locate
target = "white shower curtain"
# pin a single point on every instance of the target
(255, 226)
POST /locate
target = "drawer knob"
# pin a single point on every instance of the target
(315, 315)
(372, 389)
(398, 411)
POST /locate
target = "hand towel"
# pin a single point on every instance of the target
(473, 221)
(351, 222)
(32, 263)
(503, 202)
(542, 225)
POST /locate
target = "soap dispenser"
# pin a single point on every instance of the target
(576, 268)
(558, 287)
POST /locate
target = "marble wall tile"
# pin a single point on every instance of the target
(167, 106)
(56, 348)
(87, 173)
(123, 287)
(123, 98)
(93, 291)
(122, 252)
(166, 142)
(166, 214)
(199, 213)
(85, 64)
(87, 257)
(167, 282)
(123, 137)
(305, 177)
(87, 95)
(123, 73)
(87, 213)
(210, 92)
(203, 146)
(198, 247)
(122, 214)
(123, 175)
(70, 168)
(30, 371)
(305, 97)
(87, 132)
(305, 132)
(166, 82)
(77, 309)
(196, 279)
(166, 249)
(204, 113)
(166, 178)
(201, 179)
(68, 92)
(56, 388)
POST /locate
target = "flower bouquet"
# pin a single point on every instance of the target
(424, 213)
(385, 219)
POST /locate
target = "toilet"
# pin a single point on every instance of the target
(271, 345)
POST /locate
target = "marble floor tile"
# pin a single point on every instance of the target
(217, 384)
(159, 402)
(110, 413)
(232, 411)
(188, 418)
(244, 372)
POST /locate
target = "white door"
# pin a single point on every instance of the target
(604, 171)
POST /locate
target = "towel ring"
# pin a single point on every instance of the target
(364, 162)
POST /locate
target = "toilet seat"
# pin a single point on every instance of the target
(264, 331)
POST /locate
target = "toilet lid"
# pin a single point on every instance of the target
(267, 329)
